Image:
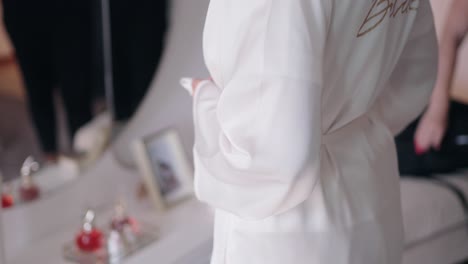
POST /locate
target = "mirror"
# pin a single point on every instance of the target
(71, 76)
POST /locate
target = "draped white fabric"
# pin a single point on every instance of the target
(294, 135)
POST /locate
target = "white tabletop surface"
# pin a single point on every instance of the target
(185, 237)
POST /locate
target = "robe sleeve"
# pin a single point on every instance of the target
(254, 136)
(414, 77)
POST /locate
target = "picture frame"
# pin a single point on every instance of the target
(167, 173)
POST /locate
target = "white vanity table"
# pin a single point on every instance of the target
(36, 232)
(185, 238)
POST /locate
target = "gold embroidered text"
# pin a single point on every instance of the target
(383, 9)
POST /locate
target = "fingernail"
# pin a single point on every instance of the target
(418, 150)
(187, 84)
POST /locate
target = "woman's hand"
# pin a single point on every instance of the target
(431, 129)
(195, 83)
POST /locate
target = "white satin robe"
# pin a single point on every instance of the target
(294, 136)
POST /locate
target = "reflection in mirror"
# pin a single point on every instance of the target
(71, 75)
(132, 56)
(51, 93)
(137, 36)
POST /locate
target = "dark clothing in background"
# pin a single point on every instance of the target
(59, 45)
(138, 30)
(54, 43)
(452, 156)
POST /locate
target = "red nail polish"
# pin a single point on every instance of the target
(418, 150)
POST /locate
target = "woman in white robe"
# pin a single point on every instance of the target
(294, 135)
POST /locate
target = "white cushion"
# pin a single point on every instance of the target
(430, 209)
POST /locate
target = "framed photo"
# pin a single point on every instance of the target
(167, 173)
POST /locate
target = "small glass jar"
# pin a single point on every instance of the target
(89, 238)
(28, 190)
(7, 196)
(124, 224)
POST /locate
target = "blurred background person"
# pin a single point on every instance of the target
(138, 33)
(437, 142)
(58, 46)
(53, 42)
(433, 125)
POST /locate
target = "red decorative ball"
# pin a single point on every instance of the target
(89, 241)
(7, 201)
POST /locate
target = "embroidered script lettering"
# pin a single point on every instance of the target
(385, 9)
